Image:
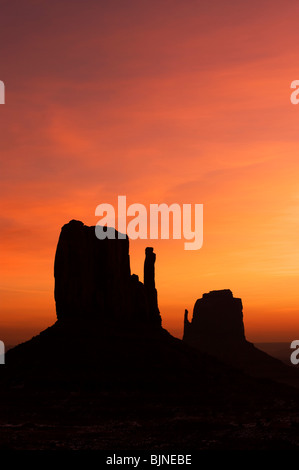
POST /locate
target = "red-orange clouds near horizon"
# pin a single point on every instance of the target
(168, 101)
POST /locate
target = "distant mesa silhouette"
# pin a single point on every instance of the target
(217, 316)
(93, 279)
(217, 328)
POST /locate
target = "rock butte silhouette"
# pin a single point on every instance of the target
(107, 359)
(106, 316)
(108, 327)
(93, 279)
(217, 328)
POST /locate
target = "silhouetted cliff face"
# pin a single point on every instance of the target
(91, 276)
(217, 318)
(217, 328)
(93, 279)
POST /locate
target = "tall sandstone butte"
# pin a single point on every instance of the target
(217, 321)
(93, 279)
(217, 328)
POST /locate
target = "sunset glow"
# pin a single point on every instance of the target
(176, 101)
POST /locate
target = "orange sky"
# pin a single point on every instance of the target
(163, 101)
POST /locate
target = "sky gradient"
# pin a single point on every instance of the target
(161, 101)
